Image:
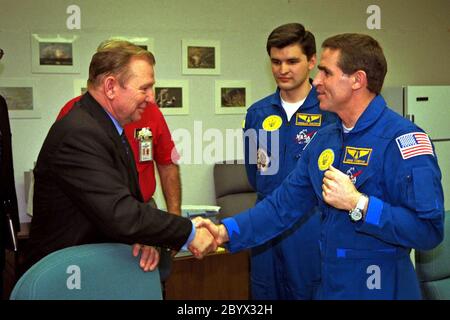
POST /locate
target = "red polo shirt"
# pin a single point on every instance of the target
(162, 147)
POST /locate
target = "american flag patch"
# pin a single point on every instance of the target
(414, 144)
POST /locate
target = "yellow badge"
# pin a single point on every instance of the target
(308, 119)
(326, 159)
(272, 123)
(243, 124)
(358, 156)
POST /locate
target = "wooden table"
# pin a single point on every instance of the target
(219, 276)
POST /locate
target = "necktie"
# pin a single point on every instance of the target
(127, 147)
(125, 143)
(132, 165)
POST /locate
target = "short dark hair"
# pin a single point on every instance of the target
(292, 33)
(113, 58)
(1, 53)
(360, 52)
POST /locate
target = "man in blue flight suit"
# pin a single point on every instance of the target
(374, 176)
(277, 129)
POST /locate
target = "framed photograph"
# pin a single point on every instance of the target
(79, 87)
(54, 54)
(172, 96)
(201, 57)
(20, 96)
(143, 42)
(232, 97)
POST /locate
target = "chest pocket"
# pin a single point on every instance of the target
(419, 188)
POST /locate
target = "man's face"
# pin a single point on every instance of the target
(137, 92)
(290, 67)
(334, 88)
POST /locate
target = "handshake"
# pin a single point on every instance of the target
(208, 237)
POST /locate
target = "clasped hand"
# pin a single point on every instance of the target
(210, 237)
(338, 190)
(207, 237)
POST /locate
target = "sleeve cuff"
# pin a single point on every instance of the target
(231, 226)
(189, 240)
(374, 210)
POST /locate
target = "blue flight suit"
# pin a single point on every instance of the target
(287, 267)
(387, 158)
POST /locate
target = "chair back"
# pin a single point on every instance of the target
(233, 191)
(433, 268)
(102, 271)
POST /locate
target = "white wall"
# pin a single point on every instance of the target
(414, 35)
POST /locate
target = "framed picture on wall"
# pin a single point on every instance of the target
(20, 96)
(79, 87)
(143, 42)
(232, 97)
(172, 96)
(201, 57)
(54, 54)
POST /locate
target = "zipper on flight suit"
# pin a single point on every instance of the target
(328, 208)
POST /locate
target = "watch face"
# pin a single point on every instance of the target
(356, 215)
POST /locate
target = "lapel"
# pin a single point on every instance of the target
(127, 157)
(89, 104)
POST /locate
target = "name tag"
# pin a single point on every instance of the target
(145, 150)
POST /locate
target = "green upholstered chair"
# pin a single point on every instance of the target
(103, 271)
(433, 268)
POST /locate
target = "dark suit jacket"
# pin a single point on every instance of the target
(87, 191)
(7, 185)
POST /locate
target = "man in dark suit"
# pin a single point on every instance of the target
(9, 216)
(86, 185)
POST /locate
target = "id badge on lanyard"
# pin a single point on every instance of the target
(145, 138)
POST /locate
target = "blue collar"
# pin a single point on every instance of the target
(370, 115)
(116, 123)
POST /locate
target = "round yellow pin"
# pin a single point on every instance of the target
(326, 159)
(272, 123)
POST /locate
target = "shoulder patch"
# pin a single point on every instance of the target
(272, 123)
(414, 144)
(326, 159)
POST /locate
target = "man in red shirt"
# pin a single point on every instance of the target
(162, 152)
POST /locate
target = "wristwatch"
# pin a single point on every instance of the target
(356, 214)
